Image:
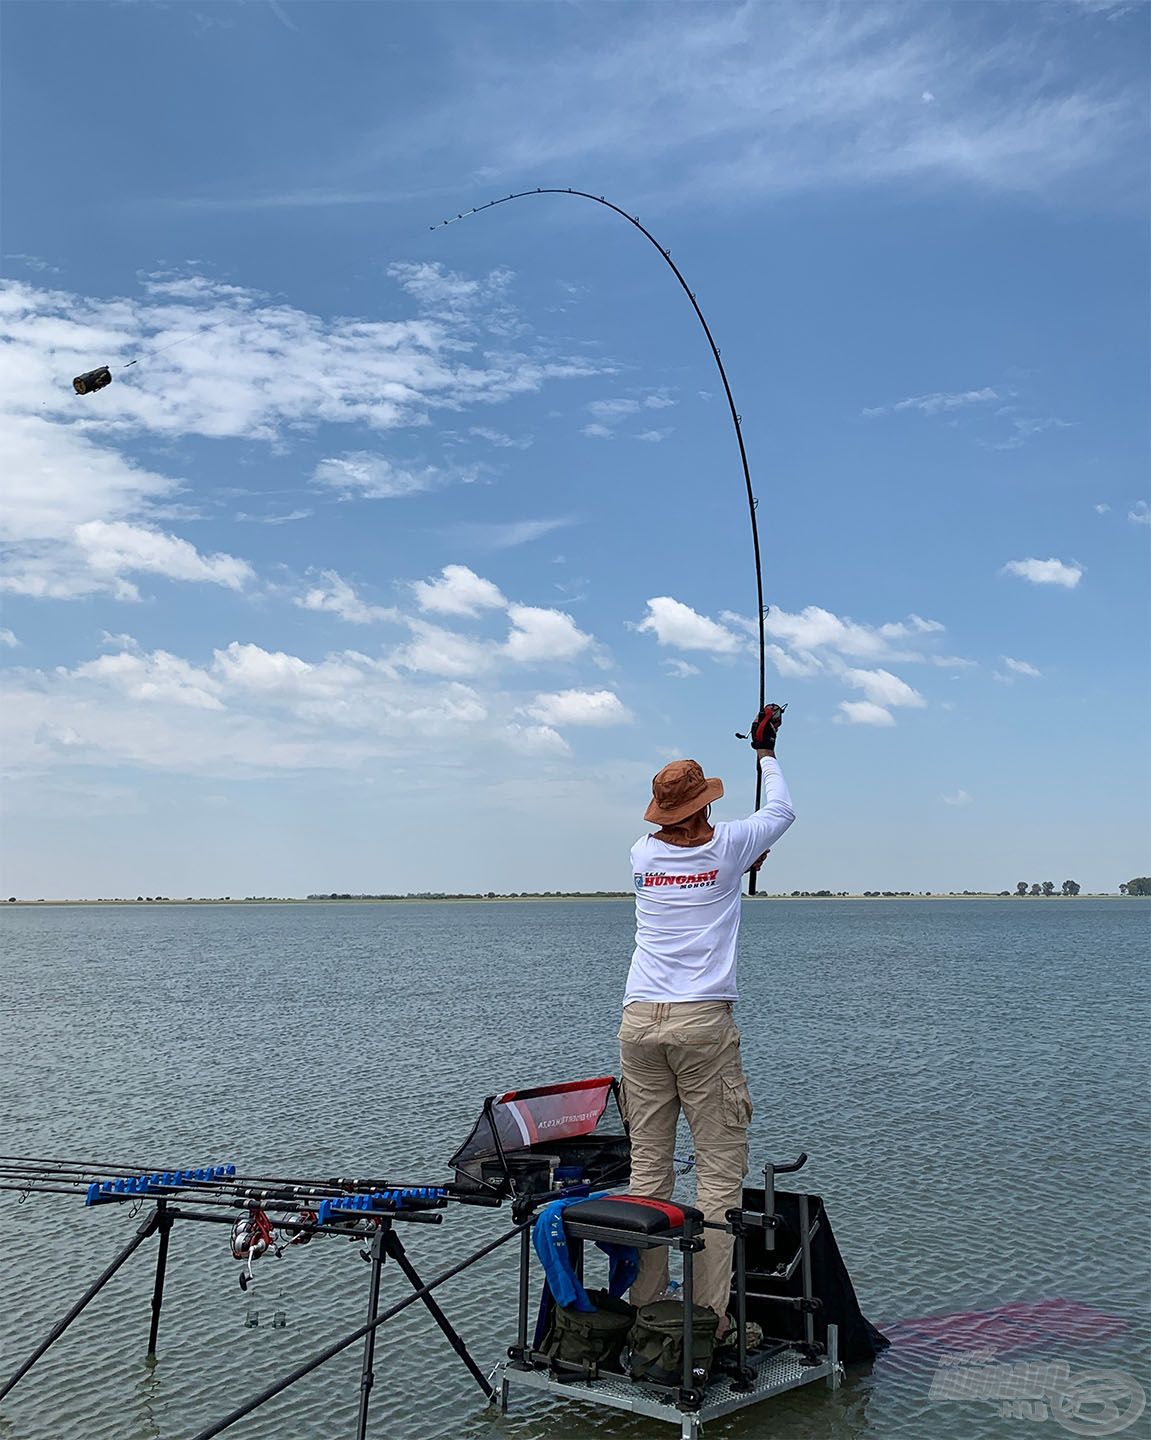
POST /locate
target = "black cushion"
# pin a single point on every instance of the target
(632, 1212)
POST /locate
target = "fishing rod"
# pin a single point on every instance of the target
(99, 1169)
(736, 419)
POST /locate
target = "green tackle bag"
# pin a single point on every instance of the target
(590, 1338)
(656, 1342)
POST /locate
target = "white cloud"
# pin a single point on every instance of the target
(114, 549)
(863, 712)
(940, 402)
(1140, 513)
(539, 740)
(8, 639)
(678, 625)
(248, 712)
(223, 361)
(285, 519)
(109, 641)
(499, 439)
(1046, 572)
(793, 666)
(1026, 427)
(251, 669)
(1102, 509)
(814, 628)
(156, 677)
(494, 535)
(579, 707)
(436, 651)
(1021, 667)
(883, 688)
(959, 799)
(778, 99)
(249, 367)
(340, 598)
(543, 635)
(464, 301)
(810, 642)
(681, 669)
(458, 591)
(609, 411)
(607, 414)
(366, 476)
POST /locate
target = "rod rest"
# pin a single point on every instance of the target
(154, 1183)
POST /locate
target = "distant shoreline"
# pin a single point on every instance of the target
(518, 900)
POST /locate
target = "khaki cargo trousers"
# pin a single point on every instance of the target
(685, 1055)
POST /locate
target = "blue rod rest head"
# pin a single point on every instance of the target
(93, 1193)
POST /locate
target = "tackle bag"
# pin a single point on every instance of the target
(591, 1338)
(656, 1342)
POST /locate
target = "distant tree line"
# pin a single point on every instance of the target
(475, 895)
(1069, 887)
(1141, 885)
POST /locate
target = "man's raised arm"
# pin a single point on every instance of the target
(775, 814)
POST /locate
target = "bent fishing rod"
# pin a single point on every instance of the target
(736, 419)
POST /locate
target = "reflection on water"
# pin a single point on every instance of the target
(967, 1077)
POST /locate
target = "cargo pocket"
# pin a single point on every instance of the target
(737, 1107)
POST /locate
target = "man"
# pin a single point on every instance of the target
(679, 1046)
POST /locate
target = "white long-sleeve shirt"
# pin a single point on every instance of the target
(687, 902)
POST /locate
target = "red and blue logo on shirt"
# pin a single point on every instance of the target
(705, 880)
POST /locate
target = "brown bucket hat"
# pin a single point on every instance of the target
(679, 790)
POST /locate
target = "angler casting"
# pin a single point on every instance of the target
(678, 1043)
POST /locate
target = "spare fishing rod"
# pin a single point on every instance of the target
(736, 419)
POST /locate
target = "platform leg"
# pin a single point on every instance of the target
(805, 1245)
(524, 1290)
(835, 1377)
(741, 1381)
(164, 1224)
(142, 1234)
(688, 1380)
(504, 1391)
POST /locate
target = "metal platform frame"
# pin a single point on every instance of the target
(776, 1371)
(773, 1370)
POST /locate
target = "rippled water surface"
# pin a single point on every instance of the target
(970, 1079)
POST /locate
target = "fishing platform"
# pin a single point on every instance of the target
(553, 1155)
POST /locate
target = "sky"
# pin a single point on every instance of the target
(401, 558)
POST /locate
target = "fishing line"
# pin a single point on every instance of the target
(93, 380)
(736, 420)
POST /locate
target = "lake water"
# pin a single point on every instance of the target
(969, 1078)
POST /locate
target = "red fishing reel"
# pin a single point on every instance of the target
(764, 727)
(252, 1236)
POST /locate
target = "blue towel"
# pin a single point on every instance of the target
(551, 1246)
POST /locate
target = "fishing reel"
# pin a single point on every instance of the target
(252, 1236)
(762, 730)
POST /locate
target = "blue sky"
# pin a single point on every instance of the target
(422, 550)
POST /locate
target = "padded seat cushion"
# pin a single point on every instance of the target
(631, 1212)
